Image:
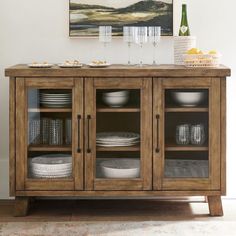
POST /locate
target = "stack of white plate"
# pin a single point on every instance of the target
(55, 99)
(51, 166)
(181, 45)
(117, 139)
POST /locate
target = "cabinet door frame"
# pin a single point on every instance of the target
(145, 181)
(22, 180)
(214, 180)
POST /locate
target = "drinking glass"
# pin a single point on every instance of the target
(183, 134)
(56, 132)
(198, 135)
(34, 131)
(128, 37)
(45, 126)
(68, 130)
(140, 39)
(105, 36)
(154, 35)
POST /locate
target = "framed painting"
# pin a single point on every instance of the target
(87, 15)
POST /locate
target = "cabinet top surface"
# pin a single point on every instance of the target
(23, 70)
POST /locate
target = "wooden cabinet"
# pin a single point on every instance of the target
(170, 164)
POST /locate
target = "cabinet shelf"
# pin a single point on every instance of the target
(186, 109)
(42, 148)
(118, 149)
(118, 109)
(50, 110)
(174, 147)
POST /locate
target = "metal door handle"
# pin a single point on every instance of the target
(157, 147)
(88, 133)
(79, 119)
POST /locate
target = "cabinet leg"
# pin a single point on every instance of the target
(21, 206)
(215, 205)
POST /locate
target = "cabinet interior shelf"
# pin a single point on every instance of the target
(118, 109)
(118, 149)
(186, 109)
(50, 110)
(42, 148)
(185, 148)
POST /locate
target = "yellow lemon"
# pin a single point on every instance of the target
(212, 52)
(193, 51)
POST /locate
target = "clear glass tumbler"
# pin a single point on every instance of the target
(68, 129)
(56, 132)
(183, 134)
(198, 136)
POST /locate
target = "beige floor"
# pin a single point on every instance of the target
(119, 217)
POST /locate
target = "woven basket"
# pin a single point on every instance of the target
(181, 45)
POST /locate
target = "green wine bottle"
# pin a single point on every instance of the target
(184, 27)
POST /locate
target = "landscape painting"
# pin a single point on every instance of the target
(87, 15)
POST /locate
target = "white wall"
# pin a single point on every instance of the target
(38, 30)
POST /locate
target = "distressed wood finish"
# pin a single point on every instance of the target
(21, 206)
(119, 71)
(122, 193)
(215, 205)
(78, 134)
(223, 108)
(12, 137)
(20, 136)
(152, 83)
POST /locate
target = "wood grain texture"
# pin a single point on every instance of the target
(223, 135)
(119, 71)
(112, 193)
(158, 134)
(21, 206)
(12, 136)
(90, 133)
(215, 205)
(214, 133)
(146, 133)
(20, 136)
(118, 184)
(78, 134)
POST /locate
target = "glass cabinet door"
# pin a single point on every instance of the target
(50, 149)
(118, 125)
(188, 151)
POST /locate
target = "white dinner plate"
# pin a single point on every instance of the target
(70, 65)
(98, 66)
(39, 65)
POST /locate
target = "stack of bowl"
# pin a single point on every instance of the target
(116, 98)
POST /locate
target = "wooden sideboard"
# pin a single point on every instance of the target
(151, 112)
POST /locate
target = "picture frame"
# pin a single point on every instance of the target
(85, 16)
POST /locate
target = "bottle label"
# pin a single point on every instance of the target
(184, 29)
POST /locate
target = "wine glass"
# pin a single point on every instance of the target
(154, 33)
(141, 38)
(128, 37)
(105, 36)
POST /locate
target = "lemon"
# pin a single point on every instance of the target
(193, 51)
(212, 52)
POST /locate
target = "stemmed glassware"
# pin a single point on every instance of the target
(128, 37)
(141, 38)
(105, 36)
(154, 35)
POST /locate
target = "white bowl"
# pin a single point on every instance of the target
(117, 93)
(188, 99)
(121, 168)
(115, 101)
